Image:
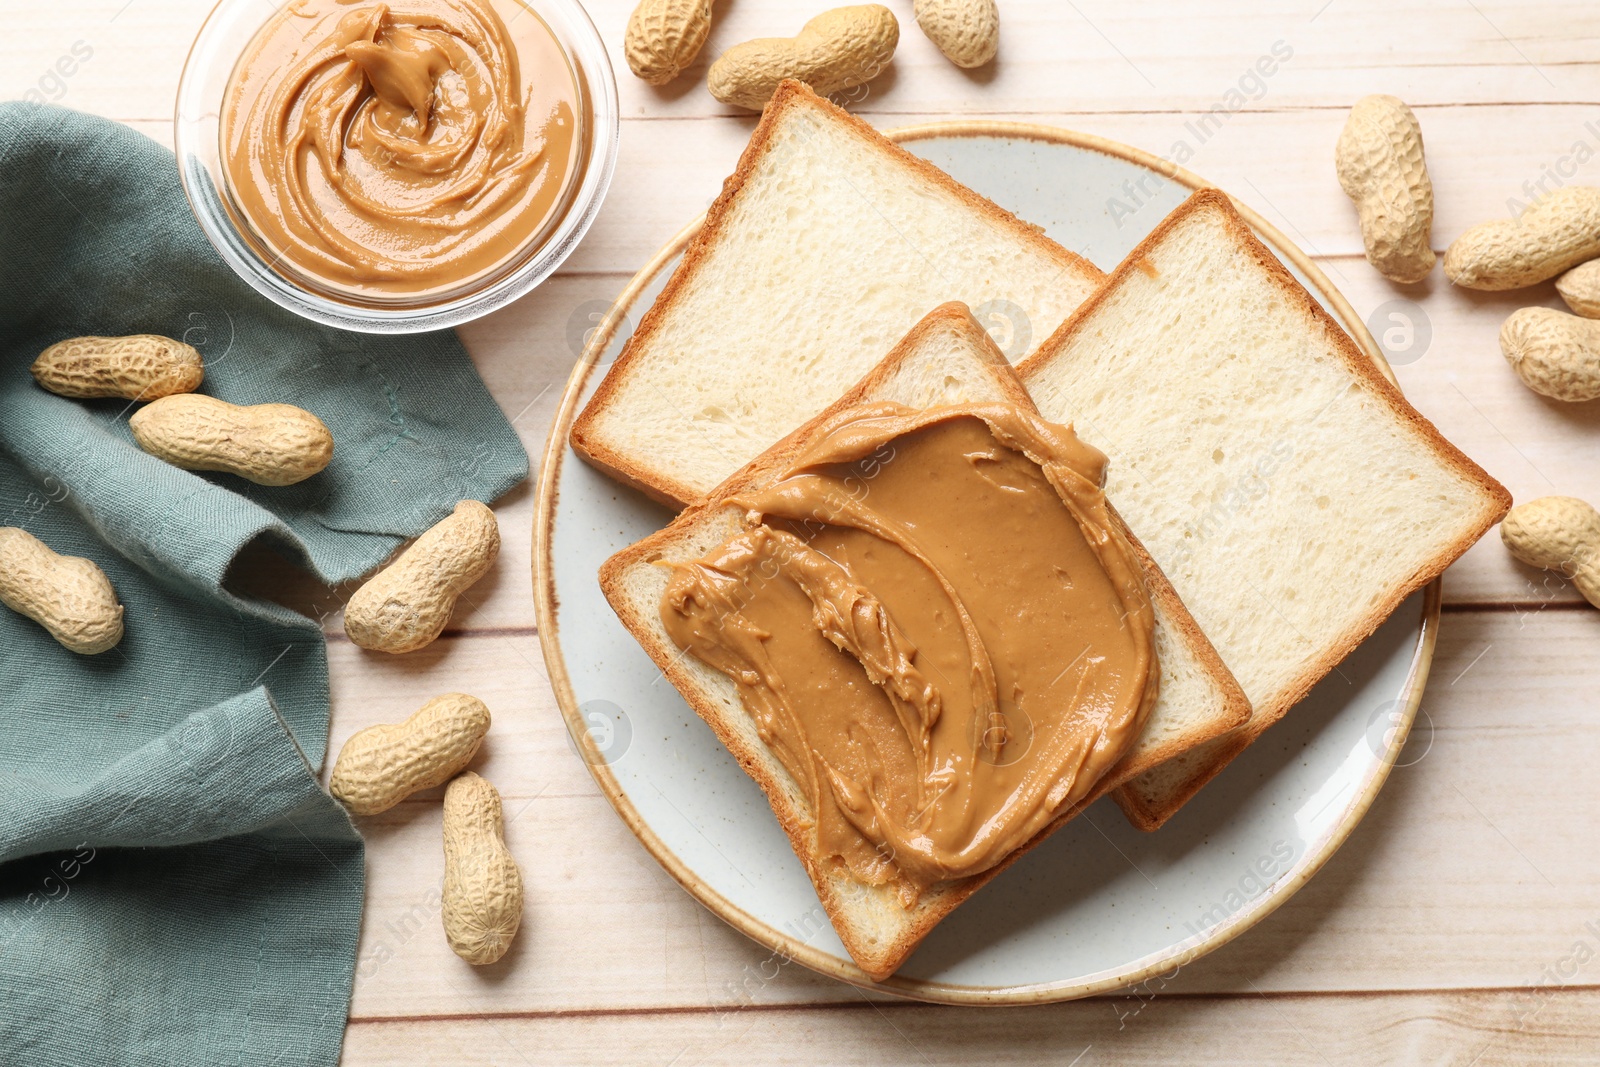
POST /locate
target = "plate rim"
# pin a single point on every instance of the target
(784, 946)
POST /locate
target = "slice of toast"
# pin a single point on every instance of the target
(1285, 486)
(827, 244)
(947, 358)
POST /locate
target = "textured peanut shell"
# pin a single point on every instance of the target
(1559, 533)
(838, 49)
(1381, 167)
(966, 31)
(1580, 288)
(382, 765)
(664, 36)
(482, 901)
(1552, 236)
(1554, 353)
(68, 595)
(269, 444)
(143, 366)
(406, 605)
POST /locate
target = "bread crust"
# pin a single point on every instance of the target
(587, 437)
(880, 960)
(1148, 813)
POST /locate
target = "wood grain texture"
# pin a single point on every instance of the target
(1503, 1028)
(1101, 55)
(1458, 923)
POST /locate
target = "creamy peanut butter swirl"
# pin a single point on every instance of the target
(937, 627)
(399, 147)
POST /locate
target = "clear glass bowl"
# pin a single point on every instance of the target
(232, 25)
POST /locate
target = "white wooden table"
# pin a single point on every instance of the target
(1461, 922)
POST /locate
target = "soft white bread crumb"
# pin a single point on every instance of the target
(826, 246)
(1290, 493)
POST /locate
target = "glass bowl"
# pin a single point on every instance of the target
(197, 134)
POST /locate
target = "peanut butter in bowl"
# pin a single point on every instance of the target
(400, 148)
(382, 160)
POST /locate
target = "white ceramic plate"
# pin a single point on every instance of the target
(1098, 906)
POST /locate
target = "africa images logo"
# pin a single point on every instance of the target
(1250, 85)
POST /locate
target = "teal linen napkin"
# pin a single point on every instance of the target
(175, 886)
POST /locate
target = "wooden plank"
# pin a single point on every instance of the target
(1493, 1027)
(1100, 54)
(1458, 876)
(1279, 161)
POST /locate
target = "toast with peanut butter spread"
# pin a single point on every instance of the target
(946, 363)
(1287, 488)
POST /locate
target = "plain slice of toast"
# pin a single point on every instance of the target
(827, 244)
(1285, 486)
(946, 359)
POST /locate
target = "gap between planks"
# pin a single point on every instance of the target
(1320, 257)
(341, 637)
(1029, 113)
(1490, 607)
(906, 1003)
